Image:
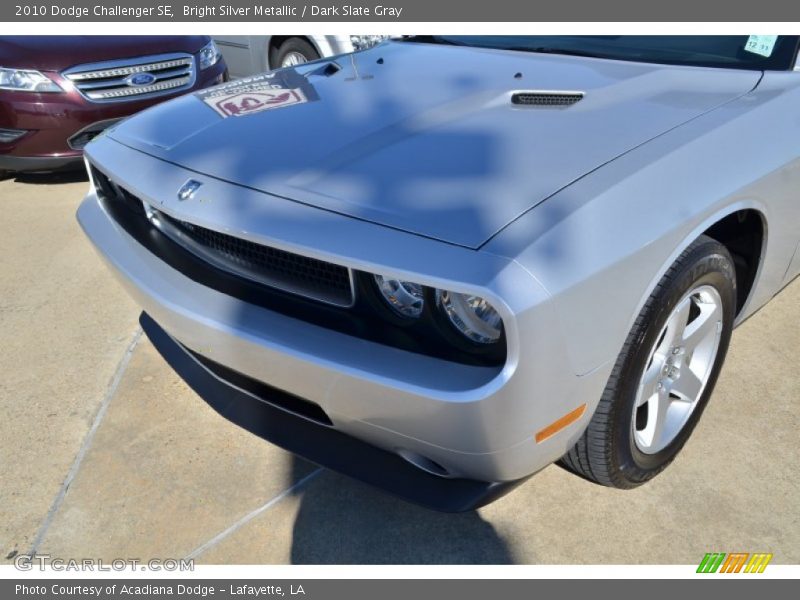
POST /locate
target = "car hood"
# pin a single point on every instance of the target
(426, 138)
(56, 53)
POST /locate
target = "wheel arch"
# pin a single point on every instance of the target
(744, 234)
(714, 226)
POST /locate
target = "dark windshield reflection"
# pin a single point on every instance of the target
(725, 51)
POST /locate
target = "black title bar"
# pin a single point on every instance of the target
(439, 11)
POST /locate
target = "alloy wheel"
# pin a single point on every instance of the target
(678, 369)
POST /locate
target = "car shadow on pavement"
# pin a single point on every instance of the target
(343, 521)
(50, 178)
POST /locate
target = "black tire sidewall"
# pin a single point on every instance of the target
(706, 264)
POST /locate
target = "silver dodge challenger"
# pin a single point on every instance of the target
(443, 263)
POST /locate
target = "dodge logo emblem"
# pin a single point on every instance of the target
(188, 189)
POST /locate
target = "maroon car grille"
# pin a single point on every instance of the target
(133, 78)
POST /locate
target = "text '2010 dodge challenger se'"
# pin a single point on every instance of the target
(443, 263)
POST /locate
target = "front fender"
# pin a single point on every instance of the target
(600, 246)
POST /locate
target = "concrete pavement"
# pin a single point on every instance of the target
(64, 331)
(107, 453)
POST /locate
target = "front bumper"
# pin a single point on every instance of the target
(314, 442)
(476, 422)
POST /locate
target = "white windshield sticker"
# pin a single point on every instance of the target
(761, 44)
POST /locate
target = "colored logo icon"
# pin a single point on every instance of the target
(736, 562)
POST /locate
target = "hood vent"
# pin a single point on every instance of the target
(545, 99)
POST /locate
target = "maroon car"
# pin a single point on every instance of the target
(57, 93)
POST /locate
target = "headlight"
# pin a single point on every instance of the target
(362, 42)
(209, 55)
(466, 321)
(403, 297)
(24, 80)
(472, 316)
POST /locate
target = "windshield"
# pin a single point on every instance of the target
(760, 52)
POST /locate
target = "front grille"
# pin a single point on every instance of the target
(546, 99)
(285, 271)
(111, 191)
(133, 78)
(294, 273)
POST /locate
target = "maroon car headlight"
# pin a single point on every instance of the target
(209, 55)
(26, 80)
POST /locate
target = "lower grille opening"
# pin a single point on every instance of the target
(87, 134)
(266, 393)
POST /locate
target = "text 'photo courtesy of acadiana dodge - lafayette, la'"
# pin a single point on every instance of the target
(154, 589)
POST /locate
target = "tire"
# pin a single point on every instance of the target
(623, 445)
(293, 47)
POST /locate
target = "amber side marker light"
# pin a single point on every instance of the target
(560, 424)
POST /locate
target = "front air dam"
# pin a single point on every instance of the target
(320, 443)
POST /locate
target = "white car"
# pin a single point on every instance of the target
(249, 54)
